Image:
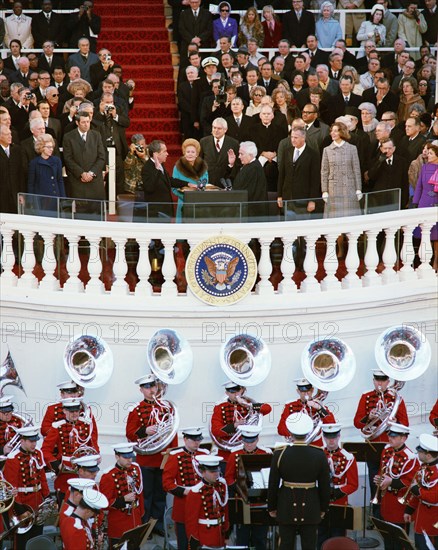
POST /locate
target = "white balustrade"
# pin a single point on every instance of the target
(407, 255)
(287, 285)
(389, 257)
(264, 286)
(310, 265)
(168, 269)
(425, 252)
(73, 283)
(94, 285)
(351, 280)
(371, 259)
(48, 263)
(8, 277)
(331, 264)
(27, 279)
(120, 267)
(143, 287)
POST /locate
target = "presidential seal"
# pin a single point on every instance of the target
(221, 270)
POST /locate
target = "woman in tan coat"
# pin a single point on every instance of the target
(408, 96)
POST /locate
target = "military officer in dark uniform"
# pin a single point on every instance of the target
(299, 486)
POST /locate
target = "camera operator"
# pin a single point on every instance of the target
(111, 125)
(100, 70)
(20, 112)
(218, 104)
(411, 26)
(84, 24)
(134, 161)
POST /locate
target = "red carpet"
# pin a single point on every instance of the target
(135, 32)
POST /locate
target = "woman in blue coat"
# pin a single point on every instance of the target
(225, 25)
(45, 175)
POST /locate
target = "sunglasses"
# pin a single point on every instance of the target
(54, 95)
(225, 10)
(258, 95)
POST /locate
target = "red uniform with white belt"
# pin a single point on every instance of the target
(423, 500)
(61, 442)
(344, 475)
(180, 472)
(401, 465)
(115, 484)
(300, 406)
(206, 516)
(7, 430)
(145, 414)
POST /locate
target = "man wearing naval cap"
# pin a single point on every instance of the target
(180, 473)
(299, 486)
(423, 497)
(24, 469)
(74, 495)
(398, 465)
(254, 536)
(123, 487)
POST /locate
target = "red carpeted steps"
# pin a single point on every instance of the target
(136, 34)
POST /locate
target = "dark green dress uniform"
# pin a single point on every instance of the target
(299, 490)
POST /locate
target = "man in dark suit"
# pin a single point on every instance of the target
(348, 58)
(47, 25)
(20, 112)
(157, 184)
(388, 171)
(184, 94)
(23, 73)
(345, 98)
(335, 65)
(298, 24)
(413, 142)
(299, 480)
(49, 60)
(214, 150)
(83, 59)
(100, 70)
(240, 126)
(84, 24)
(382, 97)
(195, 25)
(266, 79)
(316, 129)
(10, 169)
(85, 160)
(317, 56)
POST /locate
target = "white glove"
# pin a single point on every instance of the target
(325, 196)
(359, 195)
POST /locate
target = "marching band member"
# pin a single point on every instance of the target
(433, 416)
(76, 530)
(63, 439)
(422, 501)
(180, 473)
(344, 478)
(370, 404)
(24, 469)
(247, 535)
(122, 485)
(74, 495)
(143, 422)
(398, 465)
(55, 412)
(307, 405)
(232, 412)
(87, 467)
(299, 486)
(206, 516)
(9, 422)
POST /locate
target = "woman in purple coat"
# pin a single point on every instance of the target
(426, 194)
(225, 25)
(45, 176)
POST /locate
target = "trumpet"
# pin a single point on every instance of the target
(379, 491)
(15, 441)
(404, 499)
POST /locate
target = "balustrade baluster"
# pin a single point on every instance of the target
(168, 269)
(287, 285)
(28, 279)
(371, 259)
(407, 255)
(389, 257)
(310, 265)
(144, 287)
(94, 285)
(331, 264)
(48, 263)
(351, 280)
(264, 286)
(73, 265)
(120, 267)
(425, 270)
(8, 277)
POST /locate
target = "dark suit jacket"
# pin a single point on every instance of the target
(337, 105)
(158, 189)
(384, 177)
(75, 59)
(57, 61)
(268, 139)
(12, 179)
(98, 74)
(271, 86)
(9, 64)
(80, 28)
(42, 30)
(84, 157)
(300, 180)
(390, 101)
(217, 162)
(320, 57)
(189, 27)
(297, 31)
(315, 135)
(412, 148)
(242, 132)
(303, 98)
(16, 76)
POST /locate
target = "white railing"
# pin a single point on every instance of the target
(396, 264)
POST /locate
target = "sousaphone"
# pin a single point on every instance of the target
(245, 359)
(88, 361)
(170, 356)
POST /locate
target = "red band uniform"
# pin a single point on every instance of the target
(8, 423)
(74, 496)
(206, 506)
(433, 416)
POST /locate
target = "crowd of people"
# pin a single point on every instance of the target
(305, 477)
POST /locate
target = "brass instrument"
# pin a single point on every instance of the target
(6, 495)
(47, 509)
(246, 360)
(379, 492)
(88, 361)
(403, 353)
(404, 499)
(27, 420)
(167, 427)
(9, 375)
(329, 365)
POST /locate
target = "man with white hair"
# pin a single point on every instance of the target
(214, 150)
(184, 93)
(22, 75)
(37, 128)
(327, 84)
(250, 177)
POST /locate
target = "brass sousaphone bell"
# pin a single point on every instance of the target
(245, 359)
(89, 361)
(8, 373)
(170, 356)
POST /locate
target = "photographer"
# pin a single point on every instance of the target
(217, 104)
(134, 162)
(84, 24)
(411, 25)
(100, 70)
(20, 112)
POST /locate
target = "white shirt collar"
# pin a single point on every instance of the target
(301, 149)
(221, 141)
(338, 144)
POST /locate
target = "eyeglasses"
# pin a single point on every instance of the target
(225, 10)
(54, 95)
(423, 84)
(33, 79)
(257, 95)
(309, 112)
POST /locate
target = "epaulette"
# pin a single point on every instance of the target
(78, 523)
(347, 455)
(107, 470)
(13, 454)
(205, 451)
(176, 451)
(238, 448)
(196, 488)
(59, 423)
(410, 454)
(267, 450)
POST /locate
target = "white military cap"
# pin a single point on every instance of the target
(249, 432)
(299, 423)
(379, 374)
(94, 499)
(210, 61)
(211, 462)
(193, 432)
(397, 429)
(29, 432)
(68, 385)
(80, 483)
(125, 449)
(147, 379)
(72, 403)
(303, 383)
(90, 462)
(229, 385)
(6, 403)
(331, 430)
(428, 442)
